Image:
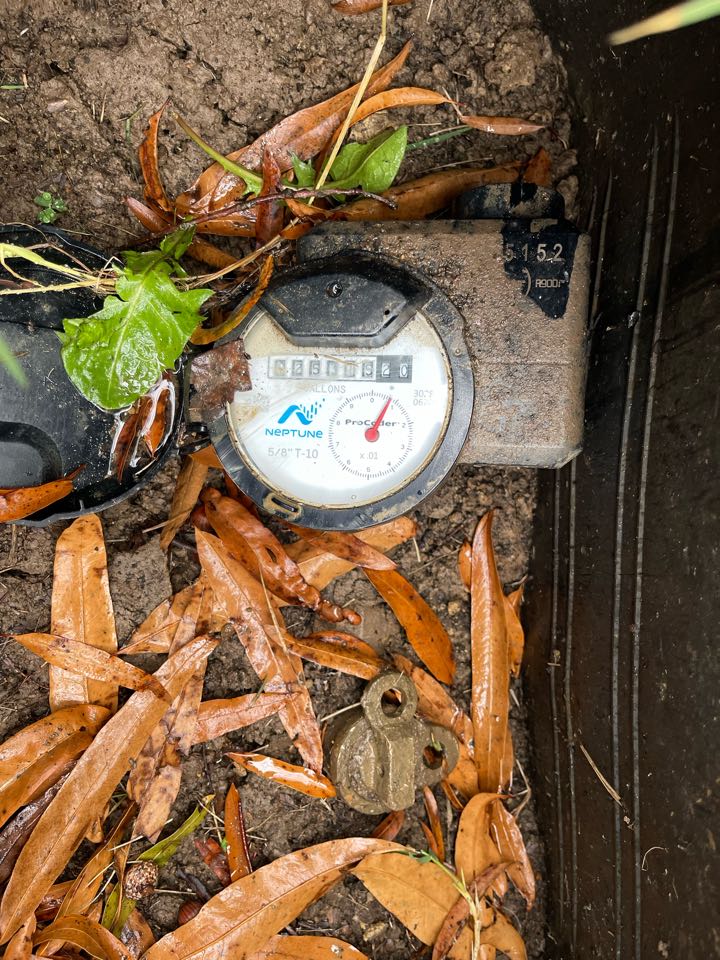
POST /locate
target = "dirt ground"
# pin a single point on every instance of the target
(93, 73)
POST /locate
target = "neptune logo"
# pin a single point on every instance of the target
(304, 414)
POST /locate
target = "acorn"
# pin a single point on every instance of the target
(187, 911)
(140, 880)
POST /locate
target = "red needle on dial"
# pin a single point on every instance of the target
(373, 433)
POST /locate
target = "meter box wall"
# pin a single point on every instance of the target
(395, 350)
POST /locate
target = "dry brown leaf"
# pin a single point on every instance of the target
(14, 835)
(436, 830)
(218, 717)
(203, 336)
(465, 564)
(516, 634)
(28, 745)
(490, 664)
(398, 97)
(286, 774)
(148, 157)
(136, 935)
(239, 530)
(475, 850)
(177, 620)
(91, 663)
(354, 7)
(83, 796)
(190, 482)
(238, 853)
(339, 651)
(278, 669)
(208, 457)
(270, 216)
(21, 945)
(502, 936)
(347, 546)
(82, 610)
(305, 134)
(50, 903)
(420, 895)
(155, 779)
(88, 935)
(417, 199)
(539, 169)
(390, 826)
(307, 948)
(42, 774)
(511, 846)
(458, 917)
(16, 503)
(428, 637)
(505, 126)
(319, 567)
(242, 918)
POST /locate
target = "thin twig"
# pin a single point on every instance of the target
(596, 770)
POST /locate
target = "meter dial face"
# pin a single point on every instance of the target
(341, 427)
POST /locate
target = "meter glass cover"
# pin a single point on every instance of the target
(341, 427)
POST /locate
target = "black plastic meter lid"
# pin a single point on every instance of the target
(47, 428)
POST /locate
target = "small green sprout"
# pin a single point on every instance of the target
(50, 207)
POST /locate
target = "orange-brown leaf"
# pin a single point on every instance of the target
(50, 903)
(91, 783)
(516, 634)
(427, 635)
(347, 546)
(155, 427)
(417, 199)
(190, 482)
(420, 895)
(238, 853)
(82, 611)
(290, 775)
(16, 503)
(503, 936)
(21, 945)
(505, 126)
(436, 830)
(319, 567)
(490, 664)
(305, 133)
(458, 917)
(390, 826)
(239, 529)
(208, 457)
(307, 948)
(354, 7)
(42, 774)
(539, 169)
(509, 841)
(465, 564)
(398, 97)
(241, 919)
(475, 850)
(279, 670)
(270, 216)
(137, 935)
(148, 157)
(88, 935)
(30, 744)
(339, 651)
(218, 717)
(203, 336)
(92, 663)
(176, 621)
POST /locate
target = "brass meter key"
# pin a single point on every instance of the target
(381, 753)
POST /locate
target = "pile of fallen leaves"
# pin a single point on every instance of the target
(95, 770)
